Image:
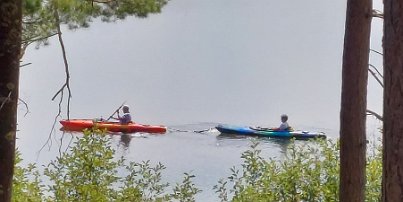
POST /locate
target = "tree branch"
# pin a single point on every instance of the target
(26, 64)
(376, 51)
(49, 140)
(5, 100)
(376, 115)
(376, 77)
(377, 14)
(29, 41)
(33, 39)
(376, 69)
(26, 106)
(66, 84)
(66, 67)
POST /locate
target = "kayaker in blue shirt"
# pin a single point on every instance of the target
(126, 117)
(284, 125)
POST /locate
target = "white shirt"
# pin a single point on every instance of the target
(283, 126)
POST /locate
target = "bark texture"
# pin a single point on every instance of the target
(10, 45)
(354, 100)
(392, 181)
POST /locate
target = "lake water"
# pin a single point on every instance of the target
(197, 64)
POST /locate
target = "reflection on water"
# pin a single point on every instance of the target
(125, 140)
(280, 143)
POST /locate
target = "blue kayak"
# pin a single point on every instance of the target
(264, 132)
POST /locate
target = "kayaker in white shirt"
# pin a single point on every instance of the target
(284, 125)
(126, 117)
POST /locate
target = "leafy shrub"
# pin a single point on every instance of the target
(185, 191)
(26, 182)
(308, 172)
(144, 181)
(91, 172)
(374, 176)
(87, 173)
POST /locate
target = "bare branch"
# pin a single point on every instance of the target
(376, 69)
(377, 14)
(26, 64)
(376, 115)
(26, 106)
(376, 77)
(5, 99)
(61, 144)
(376, 51)
(60, 92)
(33, 39)
(25, 43)
(66, 67)
(32, 19)
(49, 140)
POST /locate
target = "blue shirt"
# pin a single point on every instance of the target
(125, 118)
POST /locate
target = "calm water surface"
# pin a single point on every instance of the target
(209, 155)
(197, 64)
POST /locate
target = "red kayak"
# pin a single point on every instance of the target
(81, 124)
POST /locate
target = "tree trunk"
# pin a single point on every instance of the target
(10, 45)
(392, 181)
(354, 100)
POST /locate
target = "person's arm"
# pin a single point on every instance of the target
(274, 129)
(118, 118)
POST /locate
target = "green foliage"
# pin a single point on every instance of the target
(26, 182)
(31, 6)
(89, 171)
(38, 23)
(41, 18)
(309, 172)
(185, 191)
(374, 176)
(146, 180)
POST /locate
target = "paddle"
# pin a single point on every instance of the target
(111, 116)
(189, 131)
(258, 128)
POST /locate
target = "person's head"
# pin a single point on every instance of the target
(125, 109)
(284, 117)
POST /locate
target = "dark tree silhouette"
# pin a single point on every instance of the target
(392, 181)
(10, 46)
(354, 100)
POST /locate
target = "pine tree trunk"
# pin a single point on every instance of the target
(392, 181)
(354, 100)
(10, 45)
